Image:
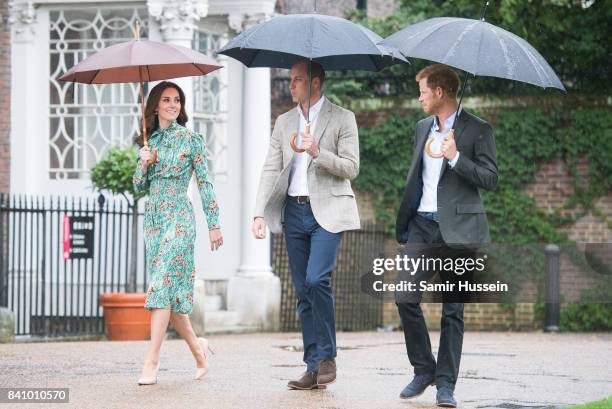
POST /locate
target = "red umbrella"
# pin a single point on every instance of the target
(139, 61)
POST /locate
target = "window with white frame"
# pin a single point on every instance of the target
(210, 104)
(86, 120)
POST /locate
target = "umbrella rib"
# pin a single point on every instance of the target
(509, 64)
(255, 54)
(479, 44)
(255, 29)
(93, 79)
(451, 51)
(199, 69)
(432, 31)
(536, 64)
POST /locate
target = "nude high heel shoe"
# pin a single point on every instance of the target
(149, 381)
(200, 372)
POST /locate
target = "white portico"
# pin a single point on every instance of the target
(59, 131)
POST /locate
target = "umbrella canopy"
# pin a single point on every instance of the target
(477, 47)
(138, 61)
(335, 43)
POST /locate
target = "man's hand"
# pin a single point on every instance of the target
(449, 148)
(259, 228)
(310, 145)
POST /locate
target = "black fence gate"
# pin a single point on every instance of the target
(52, 295)
(355, 310)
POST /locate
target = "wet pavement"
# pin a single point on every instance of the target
(498, 370)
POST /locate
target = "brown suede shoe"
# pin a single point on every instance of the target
(327, 372)
(307, 381)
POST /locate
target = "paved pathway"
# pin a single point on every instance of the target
(498, 370)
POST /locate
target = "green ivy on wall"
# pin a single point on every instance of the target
(525, 137)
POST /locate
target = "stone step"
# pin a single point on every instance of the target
(215, 319)
(217, 322)
(212, 303)
(236, 329)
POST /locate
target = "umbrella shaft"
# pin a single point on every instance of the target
(483, 10)
(309, 85)
(142, 109)
(465, 82)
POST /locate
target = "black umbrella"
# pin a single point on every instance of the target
(335, 43)
(476, 47)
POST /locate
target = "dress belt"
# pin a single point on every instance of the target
(300, 199)
(429, 215)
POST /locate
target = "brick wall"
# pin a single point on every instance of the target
(551, 189)
(488, 317)
(5, 95)
(477, 317)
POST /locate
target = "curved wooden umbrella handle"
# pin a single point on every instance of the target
(153, 157)
(437, 155)
(293, 145)
(294, 137)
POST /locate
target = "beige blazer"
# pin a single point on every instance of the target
(331, 196)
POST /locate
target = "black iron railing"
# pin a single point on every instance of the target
(50, 295)
(355, 310)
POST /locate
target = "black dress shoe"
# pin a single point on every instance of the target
(417, 386)
(445, 398)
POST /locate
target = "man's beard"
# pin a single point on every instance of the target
(434, 106)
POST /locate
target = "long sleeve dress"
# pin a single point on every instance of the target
(169, 223)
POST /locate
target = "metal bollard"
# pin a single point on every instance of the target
(552, 284)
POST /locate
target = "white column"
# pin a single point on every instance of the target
(177, 20)
(255, 255)
(255, 291)
(29, 99)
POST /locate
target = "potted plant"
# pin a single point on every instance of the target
(124, 314)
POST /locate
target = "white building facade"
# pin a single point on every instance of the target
(59, 130)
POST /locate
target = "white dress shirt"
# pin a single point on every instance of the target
(432, 167)
(298, 181)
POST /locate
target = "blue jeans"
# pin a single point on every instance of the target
(312, 254)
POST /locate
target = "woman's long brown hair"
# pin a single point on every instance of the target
(151, 120)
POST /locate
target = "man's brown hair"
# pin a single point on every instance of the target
(440, 75)
(317, 71)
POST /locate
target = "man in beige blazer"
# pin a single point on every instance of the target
(308, 197)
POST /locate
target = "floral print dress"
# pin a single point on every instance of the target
(169, 223)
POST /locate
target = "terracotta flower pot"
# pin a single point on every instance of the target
(125, 316)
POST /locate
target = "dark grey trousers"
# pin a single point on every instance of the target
(425, 239)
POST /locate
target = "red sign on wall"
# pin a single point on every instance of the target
(66, 237)
(78, 237)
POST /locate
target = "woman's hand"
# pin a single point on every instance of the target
(216, 239)
(145, 157)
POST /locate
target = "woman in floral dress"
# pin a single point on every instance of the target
(169, 224)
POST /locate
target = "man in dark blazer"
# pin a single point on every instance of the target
(443, 215)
